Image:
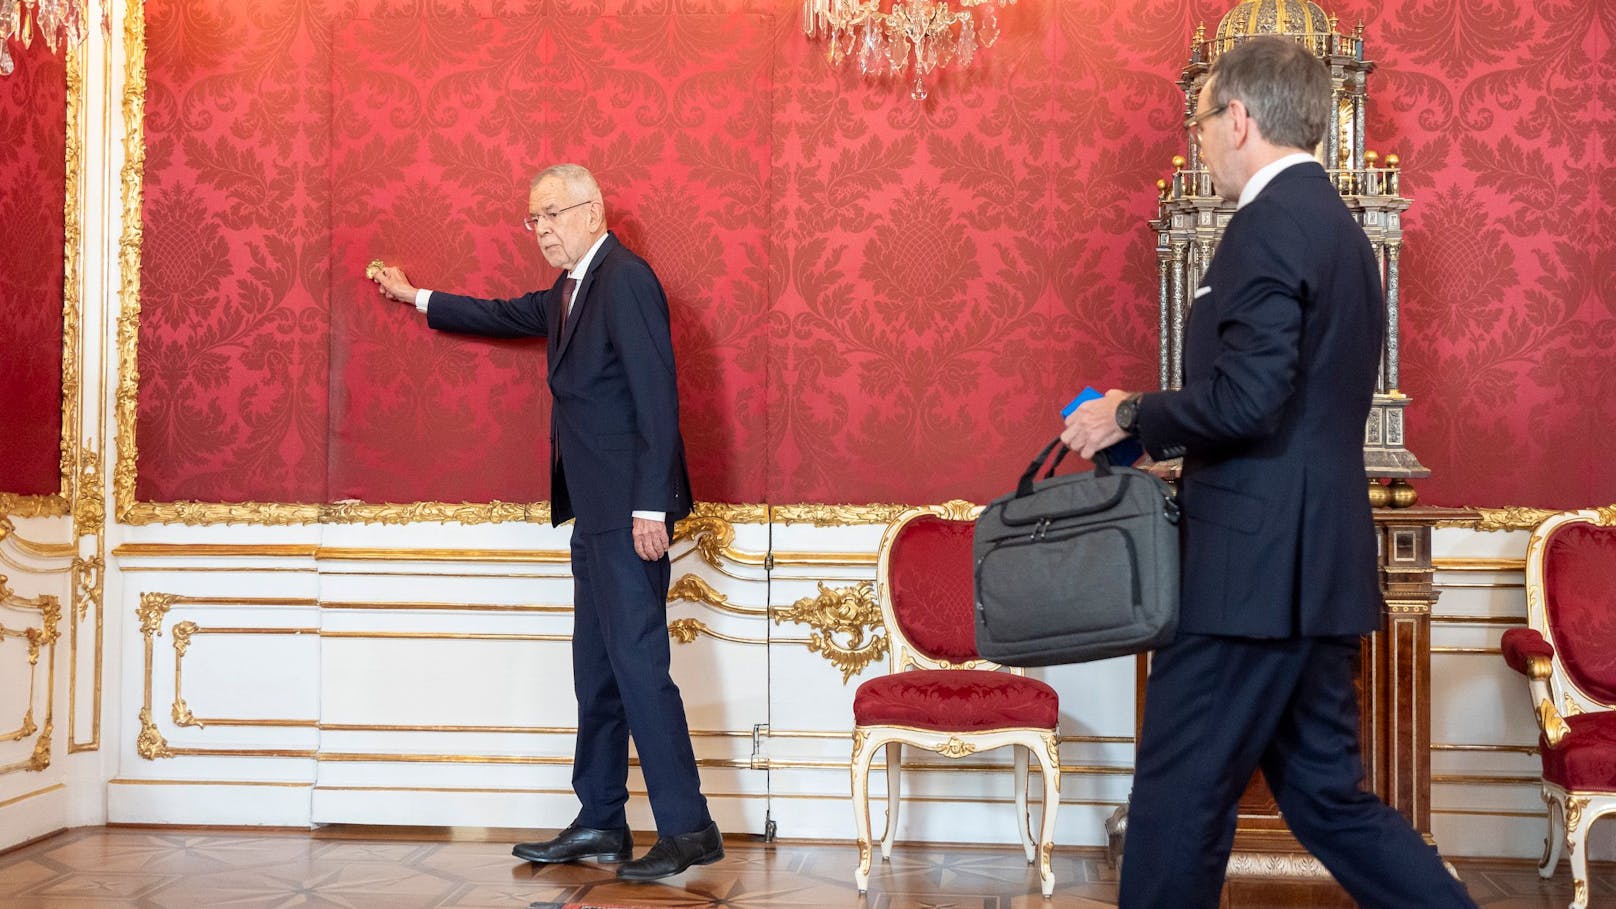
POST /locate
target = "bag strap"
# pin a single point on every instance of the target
(1102, 466)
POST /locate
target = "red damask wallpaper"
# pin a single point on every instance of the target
(33, 137)
(432, 152)
(874, 299)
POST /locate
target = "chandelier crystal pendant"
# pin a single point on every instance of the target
(920, 35)
(58, 21)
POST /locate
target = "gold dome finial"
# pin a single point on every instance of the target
(1179, 162)
(1392, 161)
(1292, 18)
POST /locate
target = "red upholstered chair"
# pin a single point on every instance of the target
(1568, 654)
(940, 695)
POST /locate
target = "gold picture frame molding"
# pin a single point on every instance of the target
(129, 510)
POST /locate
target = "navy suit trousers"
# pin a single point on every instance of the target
(1217, 709)
(620, 659)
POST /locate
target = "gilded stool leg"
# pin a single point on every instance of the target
(862, 752)
(1576, 843)
(1555, 841)
(1046, 836)
(894, 791)
(1023, 821)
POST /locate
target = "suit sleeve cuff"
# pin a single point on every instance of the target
(658, 516)
(422, 296)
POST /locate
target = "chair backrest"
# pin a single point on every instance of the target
(1571, 601)
(925, 584)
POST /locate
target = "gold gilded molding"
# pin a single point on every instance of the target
(7, 803)
(954, 747)
(181, 712)
(685, 631)
(444, 607)
(712, 536)
(8, 530)
(32, 506)
(1572, 708)
(149, 743)
(1513, 517)
(731, 514)
(836, 515)
(851, 611)
(1554, 727)
(436, 512)
(287, 513)
(1574, 806)
(182, 643)
(134, 170)
(1478, 564)
(46, 635)
(694, 589)
(214, 550)
(852, 515)
(543, 556)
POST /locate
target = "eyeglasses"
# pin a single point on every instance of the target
(531, 222)
(1194, 123)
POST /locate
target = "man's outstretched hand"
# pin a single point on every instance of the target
(391, 283)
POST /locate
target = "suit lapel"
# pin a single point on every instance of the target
(580, 297)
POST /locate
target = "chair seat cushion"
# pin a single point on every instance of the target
(960, 700)
(1586, 759)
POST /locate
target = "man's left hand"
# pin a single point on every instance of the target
(1093, 425)
(650, 539)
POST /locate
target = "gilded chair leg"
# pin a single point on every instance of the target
(1023, 822)
(1553, 843)
(860, 768)
(894, 791)
(1046, 835)
(1576, 843)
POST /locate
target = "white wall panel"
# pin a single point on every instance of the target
(440, 682)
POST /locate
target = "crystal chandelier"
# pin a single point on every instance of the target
(58, 21)
(919, 34)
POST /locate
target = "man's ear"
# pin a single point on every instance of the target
(1242, 127)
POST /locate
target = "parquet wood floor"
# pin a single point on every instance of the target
(418, 868)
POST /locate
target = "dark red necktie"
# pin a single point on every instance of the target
(567, 288)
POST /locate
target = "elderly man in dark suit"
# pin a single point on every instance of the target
(1282, 346)
(617, 465)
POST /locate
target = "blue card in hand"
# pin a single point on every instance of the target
(1125, 452)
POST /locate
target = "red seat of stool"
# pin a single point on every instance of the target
(1585, 759)
(956, 700)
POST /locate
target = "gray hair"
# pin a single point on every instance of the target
(580, 183)
(1284, 87)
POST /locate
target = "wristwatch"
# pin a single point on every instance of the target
(1128, 414)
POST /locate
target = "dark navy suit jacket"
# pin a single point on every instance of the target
(1281, 351)
(615, 445)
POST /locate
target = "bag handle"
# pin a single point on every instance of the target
(1102, 466)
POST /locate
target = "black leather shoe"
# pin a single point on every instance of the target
(577, 843)
(673, 854)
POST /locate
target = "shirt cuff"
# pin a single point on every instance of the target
(658, 516)
(422, 295)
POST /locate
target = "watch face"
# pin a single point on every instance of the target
(1127, 412)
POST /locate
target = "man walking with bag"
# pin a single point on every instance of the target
(1282, 346)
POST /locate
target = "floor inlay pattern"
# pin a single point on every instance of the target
(393, 868)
